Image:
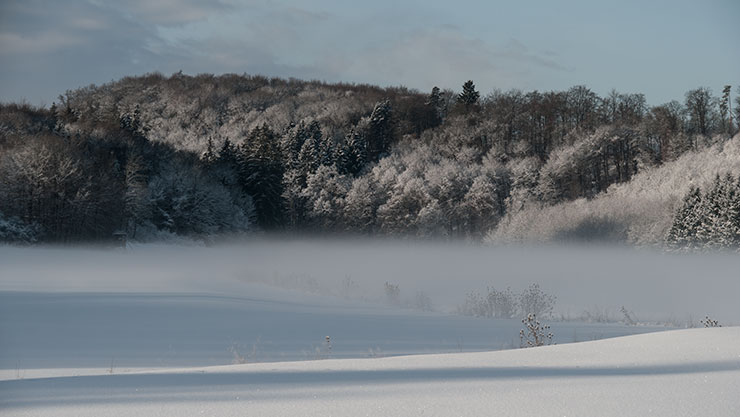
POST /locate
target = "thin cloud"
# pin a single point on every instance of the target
(166, 12)
(445, 57)
(516, 51)
(17, 43)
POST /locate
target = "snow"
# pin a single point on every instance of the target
(44, 331)
(163, 331)
(675, 373)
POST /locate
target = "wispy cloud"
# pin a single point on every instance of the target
(442, 56)
(165, 12)
(516, 51)
(16, 43)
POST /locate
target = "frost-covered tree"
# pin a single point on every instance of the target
(292, 142)
(46, 183)
(399, 214)
(687, 221)
(710, 219)
(189, 204)
(352, 156)
(482, 206)
(325, 198)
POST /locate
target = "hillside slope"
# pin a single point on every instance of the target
(640, 211)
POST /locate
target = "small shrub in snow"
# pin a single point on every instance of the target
(502, 304)
(534, 333)
(536, 302)
(423, 302)
(707, 322)
(628, 316)
(393, 293)
(328, 346)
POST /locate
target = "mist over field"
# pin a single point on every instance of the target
(656, 286)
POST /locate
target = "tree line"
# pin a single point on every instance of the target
(205, 156)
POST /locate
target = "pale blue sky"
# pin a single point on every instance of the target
(661, 48)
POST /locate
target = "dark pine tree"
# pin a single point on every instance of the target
(209, 156)
(380, 131)
(261, 175)
(353, 155)
(469, 96)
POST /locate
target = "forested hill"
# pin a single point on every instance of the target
(206, 156)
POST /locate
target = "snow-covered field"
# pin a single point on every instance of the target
(242, 330)
(694, 372)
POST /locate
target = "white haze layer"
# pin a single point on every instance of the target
(276, 300)
(653, 285)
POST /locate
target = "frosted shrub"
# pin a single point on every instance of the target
(534, 333)
(533, 301)
(504, 304)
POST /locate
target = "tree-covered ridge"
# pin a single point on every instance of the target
(206, 156)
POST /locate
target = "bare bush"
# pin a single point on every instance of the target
(707, 322)
(534, 333)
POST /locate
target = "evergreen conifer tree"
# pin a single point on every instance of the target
(261, 175)
(227, 153)
(209, 156)
(357, 146)
(380, 131)
(469, 96)
(686, 221)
